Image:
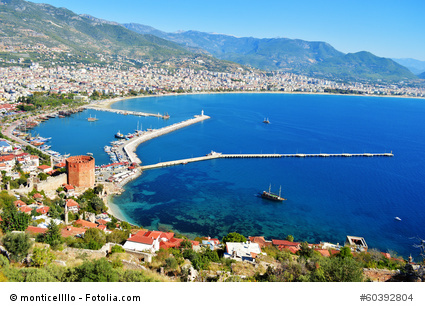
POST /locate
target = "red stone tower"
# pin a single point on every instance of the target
(80, 171)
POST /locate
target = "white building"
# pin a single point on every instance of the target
(242, 251)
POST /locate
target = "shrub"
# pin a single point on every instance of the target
(18, 245)
(42, 257)
(117, 248)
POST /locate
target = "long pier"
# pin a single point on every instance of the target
(214, 155)
(129, 147)
(123, 112)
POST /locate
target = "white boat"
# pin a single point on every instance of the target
(397, 218)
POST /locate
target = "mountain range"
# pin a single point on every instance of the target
(26, 24)
(314, 58)
(87, 38)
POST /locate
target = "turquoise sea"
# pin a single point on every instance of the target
(328, 198)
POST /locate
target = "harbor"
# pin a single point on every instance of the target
(129, 147)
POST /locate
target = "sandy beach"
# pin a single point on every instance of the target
(108, 102)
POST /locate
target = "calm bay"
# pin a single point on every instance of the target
(327, 198)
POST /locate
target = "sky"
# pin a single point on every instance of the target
(390, 28)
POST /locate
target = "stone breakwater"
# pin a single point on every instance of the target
(130, 146)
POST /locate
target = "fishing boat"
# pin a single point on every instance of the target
(266, 121)
(272, 196)
(166, 116)
(119, 135)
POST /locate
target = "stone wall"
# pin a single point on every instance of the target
(52, 183)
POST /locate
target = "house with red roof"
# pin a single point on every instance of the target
(43, 210)
(44, 168)
(260, 240)
(35, 230)
(85, 224)
(72, 205)
(25, 209)
(38, 197)
(285, 244)
(73, 231)
(150, 241)
(69, 189)
(19, 203)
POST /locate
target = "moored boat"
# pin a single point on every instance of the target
(119, 135)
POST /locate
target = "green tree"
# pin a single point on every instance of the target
(94, 238)
(98, 189)
(290, 238)
(14, 220)
(345, 252)
(125, 225)
(53, 235)
(18, 245)
(233, 237)
(336, 269)
(171, 264)
(305, 251)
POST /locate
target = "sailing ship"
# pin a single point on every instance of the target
(272, 196)
(92, 118)
(266, 121)
(166, 116)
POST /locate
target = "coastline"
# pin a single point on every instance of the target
(117, 189)
(107, 103)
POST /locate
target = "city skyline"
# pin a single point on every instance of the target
(392, 30)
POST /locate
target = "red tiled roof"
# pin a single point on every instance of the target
(140, 233)
(37, 195)
(86, 224)
(72, 231)
(324, 252)
(43, 210)
(291, 249)
(101, 227)
(35, 230)
(101, 221)
(19, 203)
(68, 187)
(167, 235)
(43, 167)
(153, 234)
(25, 209)
(284, 242)
(7, 158)
(72, 203)
(141, 239)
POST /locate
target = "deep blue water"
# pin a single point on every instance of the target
(328, 198)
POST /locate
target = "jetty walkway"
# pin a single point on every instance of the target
(123, 112)
(129, 147)
(214, 155)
